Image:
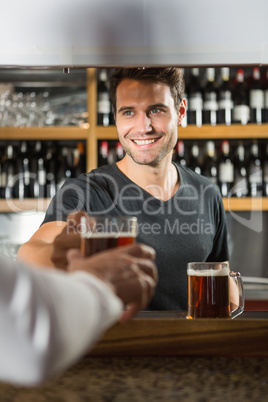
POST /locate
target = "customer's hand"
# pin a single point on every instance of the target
(129, 271)
(67, 239)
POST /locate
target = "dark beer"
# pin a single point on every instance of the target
(103, 241)
(208, 294)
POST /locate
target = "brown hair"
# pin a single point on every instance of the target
(170, 76)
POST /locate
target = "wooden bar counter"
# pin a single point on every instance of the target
(161, 356)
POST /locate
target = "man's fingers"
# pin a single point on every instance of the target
(73, 254)
(140, 250)
(129, 313)
(73, 220)
(66, 241)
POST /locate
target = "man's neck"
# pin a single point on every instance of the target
(161, 181)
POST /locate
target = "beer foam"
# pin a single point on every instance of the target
(111, 235)
(208, 272)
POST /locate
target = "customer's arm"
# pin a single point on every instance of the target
(50, 318)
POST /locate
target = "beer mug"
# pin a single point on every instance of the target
(99, 233)
(213, 290)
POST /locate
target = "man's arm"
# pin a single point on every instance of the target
(50, 318)
(38, 250)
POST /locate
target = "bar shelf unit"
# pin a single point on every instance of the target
(91, 133)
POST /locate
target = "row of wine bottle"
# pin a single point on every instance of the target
(240, 169)
(38, 169)
(213, 95)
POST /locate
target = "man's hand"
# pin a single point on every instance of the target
(129, 271)
(67, 239)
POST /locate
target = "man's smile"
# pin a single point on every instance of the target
(146, 142)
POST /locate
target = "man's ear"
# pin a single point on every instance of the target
(181, 111)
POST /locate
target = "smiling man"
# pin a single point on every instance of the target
(180, 213)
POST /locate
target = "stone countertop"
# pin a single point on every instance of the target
(131, 379)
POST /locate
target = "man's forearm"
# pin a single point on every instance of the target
(36, 252)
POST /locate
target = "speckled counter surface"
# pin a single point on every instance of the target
(131, 379)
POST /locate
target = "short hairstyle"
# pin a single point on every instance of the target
(170, 76)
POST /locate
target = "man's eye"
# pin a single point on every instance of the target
(155, 110)
(127, 113)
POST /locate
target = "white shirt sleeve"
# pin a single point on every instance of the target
(49, 319)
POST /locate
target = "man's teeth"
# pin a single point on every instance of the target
(144, 142)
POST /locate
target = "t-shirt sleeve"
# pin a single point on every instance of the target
(220, 244)
(69, 198)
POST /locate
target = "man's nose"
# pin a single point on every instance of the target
(144, 124)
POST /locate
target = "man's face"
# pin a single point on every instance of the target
(146, 120)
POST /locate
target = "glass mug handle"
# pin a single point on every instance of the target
(238, 280)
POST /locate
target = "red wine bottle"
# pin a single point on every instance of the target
(240, 188)
(195, 99)
(241, 105)
(119, 151)
(194, 163)
(265, 172)
(255, 171)
(256, 97)
(179, 156)
(225, 103)
(103, 101)
(210, 97)
(209, 166)
(265, 117)
(103, 153)
(226, 169)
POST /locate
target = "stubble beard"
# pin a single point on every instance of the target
(149, 161)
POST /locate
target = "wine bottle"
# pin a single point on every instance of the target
(240, 188)
(265, 173)
(103, 102)
(23, 180)
(103, 153)
(225, 103)
(38, 171)
(51, 167)
(64, 166)
(209, 166)
(119, 151)
(225, 169)
(8, 174)
(179, 156)
(265, 117)
(241, 106)
(256, 97)
(255, 171)
(79, 160)
(194, 114)
(210, 106)
(194, 163)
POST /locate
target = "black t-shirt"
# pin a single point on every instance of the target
(189, 227)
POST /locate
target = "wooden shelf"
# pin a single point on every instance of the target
(30, 204)
(204, 132)
(44, 133)
(106, 133)
(246, 204)
(224, 132)
(41, 204)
